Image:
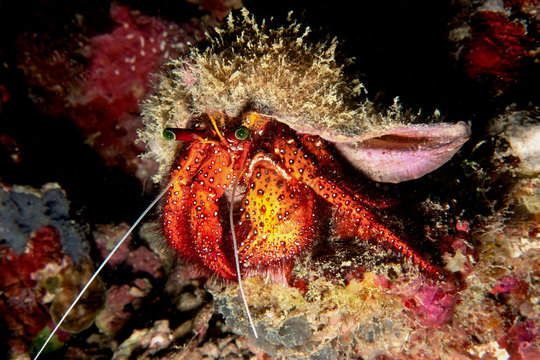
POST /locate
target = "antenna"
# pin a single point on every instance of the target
(237, 262)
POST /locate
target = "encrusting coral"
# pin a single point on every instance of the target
(44, 263)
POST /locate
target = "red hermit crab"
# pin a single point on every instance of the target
(260, 114)
(261, 182)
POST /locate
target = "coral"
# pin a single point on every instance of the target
(121, 65)
(520, 341)
(498, 294)
(155, 339)
(495, 39)
(106, 237)
(520, 129)
(430, 305)
(128, 300)
(142, 259)
(43, 265)
(496, 47)
(113, 317)
(71, 283)
(25, 210)
(21, 296)
(326, 320)
(139, 259)
(101, 91)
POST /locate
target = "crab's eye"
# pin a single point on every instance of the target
(241, 133)
(168, 134)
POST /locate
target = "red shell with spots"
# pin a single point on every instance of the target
(284, 181)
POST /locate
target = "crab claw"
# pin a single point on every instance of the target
(405, 153)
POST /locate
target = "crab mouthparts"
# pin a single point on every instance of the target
(238, 195)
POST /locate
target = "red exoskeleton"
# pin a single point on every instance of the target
(282, 177)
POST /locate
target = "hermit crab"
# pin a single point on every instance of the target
(259, 181)
(258, 116)
(249, 134)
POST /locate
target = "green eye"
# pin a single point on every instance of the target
(241, 133)
(168, 135)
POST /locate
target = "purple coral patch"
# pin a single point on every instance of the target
(430, 305)
(521, 341)
(507, 285)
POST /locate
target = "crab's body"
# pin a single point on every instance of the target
(285, 182)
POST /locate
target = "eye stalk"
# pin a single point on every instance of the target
(241, 133)
(175, 134)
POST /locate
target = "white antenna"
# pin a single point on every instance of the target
(130, 230)
(235, 183)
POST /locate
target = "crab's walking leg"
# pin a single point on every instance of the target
(315, 146)
(300, 165)
(209, 185)
(190, 215)
(175, 210)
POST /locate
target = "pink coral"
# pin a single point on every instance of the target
(106, 237)
(101, 91)
(429, 304)
(521, 341)
(142, 259)
(139, 259)
(122, 61)
(121, 65)
(507, 285)
(114, 316)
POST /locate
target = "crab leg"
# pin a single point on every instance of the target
(190, 215)
(175, 222)
(316, 147)
(300, 165)
(209, 185)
